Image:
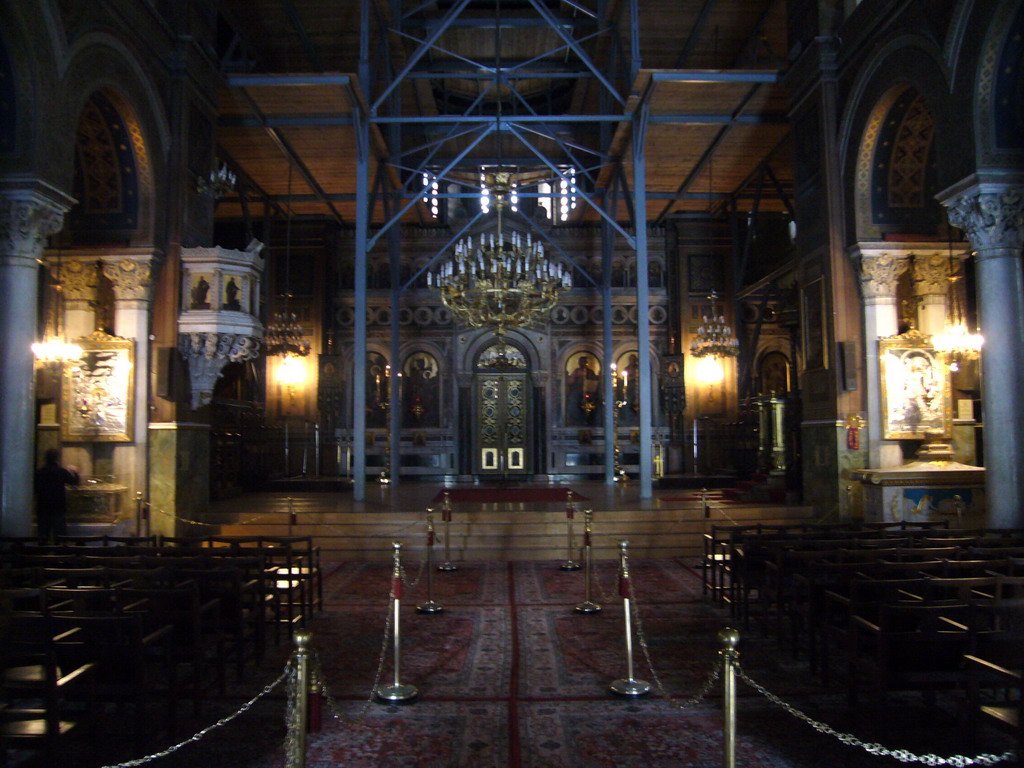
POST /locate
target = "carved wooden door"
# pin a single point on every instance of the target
(502, 424)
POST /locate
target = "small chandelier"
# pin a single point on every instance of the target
(714, 337)
(956, 343)
(284, 336)
(497, 282)
(219, 184)
(57, 349)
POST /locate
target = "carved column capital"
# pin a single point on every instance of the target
(30, 211)
(132, 277)
(77, 278)
(931, 275)
(991, 214)
(879, 274)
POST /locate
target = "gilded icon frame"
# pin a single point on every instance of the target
(98, 392)
(917, 401)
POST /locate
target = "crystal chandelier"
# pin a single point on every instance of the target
(956, 343)
(714, 337)
(497, 282)
(219, 184)
(56, 349)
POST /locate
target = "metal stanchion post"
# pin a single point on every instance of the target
(629, 685)
(446, 518)
(704, 502)
(729, 638)
(431, 605)
(297, 742)
(397, 691)
(291, 516)
(570, 513)
(588, 605)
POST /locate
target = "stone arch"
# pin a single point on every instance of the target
(99, 68)
(30, 35)
(904, 86)
(999, 111)
(483, 338)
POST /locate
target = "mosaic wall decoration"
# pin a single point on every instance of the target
(106, 178)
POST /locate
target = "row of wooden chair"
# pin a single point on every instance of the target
(928, 613)
(293, 560)
(195, 615)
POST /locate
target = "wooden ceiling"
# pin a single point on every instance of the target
(708, 71)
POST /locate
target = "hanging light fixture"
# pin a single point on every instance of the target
(956, 343)
(498, 282)
(714, 336)
(494, 281)
(57, 349)
(284, 333)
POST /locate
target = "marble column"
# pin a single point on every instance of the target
(991, 213)
(131, 277)
(30, 211)
(880, 271)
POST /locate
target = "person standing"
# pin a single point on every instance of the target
(51, 495)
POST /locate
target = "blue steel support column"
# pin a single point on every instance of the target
(395, 391)
(395, 257)
(362, 131)
(607, 250)
(643, 331)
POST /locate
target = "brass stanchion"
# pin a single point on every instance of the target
(704, 502)
(139, 505)
(446, 518)
(297, 736)
(397, 691)
(588, 605)
(292, 518)
(431, 605)
(570, 513)
(629, 685)
(729, 638)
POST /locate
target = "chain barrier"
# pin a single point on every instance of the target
(332, 704)
(873, 748)
(712, 678)
(288, 673)
(419, 575)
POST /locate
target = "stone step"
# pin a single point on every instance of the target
(490, 535)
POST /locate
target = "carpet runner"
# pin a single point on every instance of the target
(511, 677)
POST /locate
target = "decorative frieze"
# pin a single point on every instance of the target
(207, 353)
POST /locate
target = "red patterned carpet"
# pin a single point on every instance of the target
(511, 677)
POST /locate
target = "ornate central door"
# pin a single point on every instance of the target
(502, 433)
